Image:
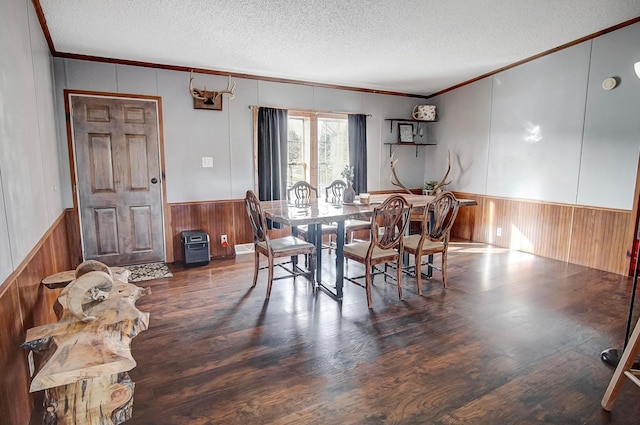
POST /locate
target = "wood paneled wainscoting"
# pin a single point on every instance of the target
(25, 303)
(593, 237)
(216, 218)
(587, 236)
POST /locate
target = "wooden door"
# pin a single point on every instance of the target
(117, 167)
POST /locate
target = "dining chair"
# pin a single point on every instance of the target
(288, 246)
(388, 224)
(334, 193)
(300, 195)
(437, 220)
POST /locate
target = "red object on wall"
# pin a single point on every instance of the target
(634, 256)
(634, 250)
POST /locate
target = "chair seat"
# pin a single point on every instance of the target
(326, 229)
(359, 249)
(287, 245)
(353, 225)
(411, 244)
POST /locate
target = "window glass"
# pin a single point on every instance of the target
(333, 150)
(318, 148)
(299, 148)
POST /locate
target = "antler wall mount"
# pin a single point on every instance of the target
(394, 177)
(211, 100)
(437, 189)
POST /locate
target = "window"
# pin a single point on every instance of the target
(318, 148)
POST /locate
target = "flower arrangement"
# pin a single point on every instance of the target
(347, 174)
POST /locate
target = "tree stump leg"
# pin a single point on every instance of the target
(97, 401)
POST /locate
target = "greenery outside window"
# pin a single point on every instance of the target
(317, 148)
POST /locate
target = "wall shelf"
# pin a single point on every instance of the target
(392, 120)
(417, 145)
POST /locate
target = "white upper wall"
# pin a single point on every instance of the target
(462, 129)
(546, 130)
(537, 116)
(227, 135)
(29, 150)
(611, 143)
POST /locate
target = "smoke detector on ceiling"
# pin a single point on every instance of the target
(609, 83)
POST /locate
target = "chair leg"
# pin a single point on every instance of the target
(418, 271)
(256, 267)
(312, 271)
(444, 268)
(368, 285)
(399, 276)
(270, 277)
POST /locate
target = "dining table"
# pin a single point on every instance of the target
(316, 212)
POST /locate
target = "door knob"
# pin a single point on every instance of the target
(154, 180)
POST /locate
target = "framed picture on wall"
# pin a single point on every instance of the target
(405, 132)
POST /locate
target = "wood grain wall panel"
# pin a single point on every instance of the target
(74, 241)
(467, 224)
(242, 226)
(541, 229)
(25, 303)
(16, 403)
(602, 239)
(215, 218)
(591, 237)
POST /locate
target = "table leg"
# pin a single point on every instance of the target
(340, 260)
(294, 259)
(317, 238)
(336, 292)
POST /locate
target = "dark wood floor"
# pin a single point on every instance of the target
(515, 339)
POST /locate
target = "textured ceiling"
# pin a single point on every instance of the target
(406, 46)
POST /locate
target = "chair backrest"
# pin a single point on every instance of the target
(392, 216)
(444, 210)
(335, 191)
(256, 216)
(300, 192)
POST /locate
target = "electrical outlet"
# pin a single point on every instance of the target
(223, 239)
(499, 231)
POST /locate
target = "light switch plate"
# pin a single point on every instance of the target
(207, 162)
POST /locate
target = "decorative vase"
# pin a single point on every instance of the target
(349, 195)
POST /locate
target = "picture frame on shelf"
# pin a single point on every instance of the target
(405, 133)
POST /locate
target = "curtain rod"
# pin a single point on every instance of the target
(317, 111)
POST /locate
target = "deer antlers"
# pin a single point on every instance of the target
(210, 97)
(438, 187)
(394, 177)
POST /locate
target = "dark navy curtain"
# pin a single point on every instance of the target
(358, 151)
(272, 153)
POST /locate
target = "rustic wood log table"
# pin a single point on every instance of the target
(85, 357)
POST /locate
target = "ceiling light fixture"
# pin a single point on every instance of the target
(636, 68)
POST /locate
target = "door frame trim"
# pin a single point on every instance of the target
(165, 210)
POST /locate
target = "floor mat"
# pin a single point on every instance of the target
(149, 271)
